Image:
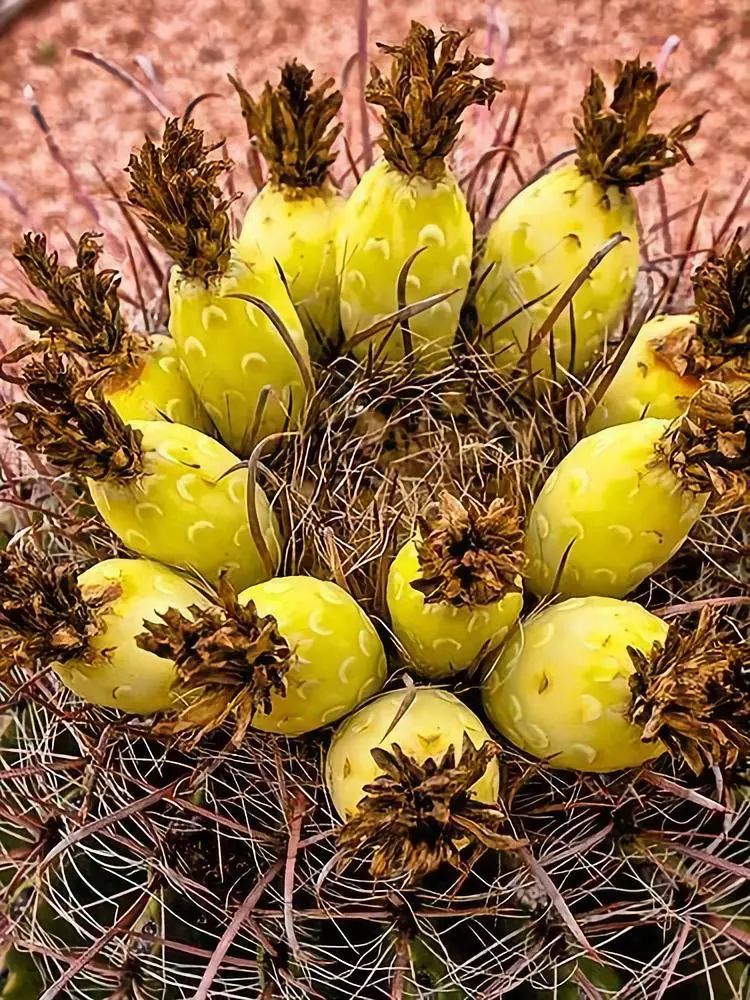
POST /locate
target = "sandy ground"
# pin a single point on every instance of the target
(187, 49)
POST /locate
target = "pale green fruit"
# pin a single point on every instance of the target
(338, 658)
(387, 219)
(433, 722)
(119, 674)
(20, 979)
(297, 227)
(538, 244)
(442, 639)
(232, 351)
(560, 687)
(156, 388)
(615, 508)
(645, 385)
(186, 509)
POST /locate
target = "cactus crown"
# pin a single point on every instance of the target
(692, 692)
(291, 125)
(43, 615)
(82, 308)
(469, 555)
(708, 448)
(613, 141)
(65, 420)
(229, 659)
(416, 817)
(424, 97)
(174, 188)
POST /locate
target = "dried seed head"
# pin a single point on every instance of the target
(693, 694)
(469, 555)
(81, 313)
(229, 661)
(424, 97)
(416, 817)
(613, 141)
(708, 448)
(291, 125)
(43, 615)
(174, 188)
(65, 420)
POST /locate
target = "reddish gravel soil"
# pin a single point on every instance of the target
(189, 48)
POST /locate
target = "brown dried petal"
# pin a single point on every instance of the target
(693, 693)
(469, 555)
(721, 286)
(423, 99)
(614, 143)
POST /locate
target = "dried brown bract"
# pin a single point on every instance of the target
(613, 141)
(428, 90)
(229, 659)
(174, 187)
(693, 694)
(721, 286)
(469, 555)
(292, 126)
(709, 447)
(417, 817)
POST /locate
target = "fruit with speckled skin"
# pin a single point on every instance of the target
(610, 514)
(433, 722)
(120, 674)
(387, 219)
(156, 388)
(297, 227)
(338, 658)
(538, 244)
(560, 688)
(232, 351)
(186, 509)
(644, 384)
(442, 639)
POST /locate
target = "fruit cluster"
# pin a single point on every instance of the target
(199, 630)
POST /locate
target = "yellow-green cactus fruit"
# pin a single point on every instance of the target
(413, 774)
(287, 656)
(599, 684)
(167, 491)
(85, 626)
(672, 354)
(140, 375)
(548, 233)
(455, 590)
(295, 217)
(623, 500)
(407, 222)
(240, 339)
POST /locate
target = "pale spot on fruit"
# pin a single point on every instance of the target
(540, 636)
(168, 364)
(598, 447)
(253, 359)
(279, 585)
(237, 489)
(413, 281)
(574, 525)
(163, 585)
(194, 530)
(136, 540)
(194, 346)
(184, 484)
(316, 625)
(605, 575)
(370, 686)
(241, 536)
(431, 234)
(583, 752)
(514, 708)
(252, 313)
(303, 688)
(445, 642)
(591, 708)
(446, 696)
(355, 278)
(428, 740)
(622, 533)
(579, 480)
(145, 511)
(461, 266)
(641, 571)
(211, 315)
(231, 567)
(360, 727)
(331, 714)
(344, 667)
(332, 595)
(550, 484)
(376, 244)
(398, 587)
(364, 640)
(536, 736)
(212, 410)
(573, 604)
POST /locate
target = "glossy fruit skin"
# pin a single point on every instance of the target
(297, 227)
(388, 217)
(122, 675)
(434, 721)
(542, 239)
(231, 350)
(560, 686)
(157, 388)
(644, 385)
(622, 512)
(441, 639)
(339, 659)
(185, 510)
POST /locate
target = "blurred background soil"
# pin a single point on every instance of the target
(180, 50)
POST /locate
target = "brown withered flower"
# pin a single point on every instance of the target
(417, 817)
(229, 661)
(692, 692)
(469, 555)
